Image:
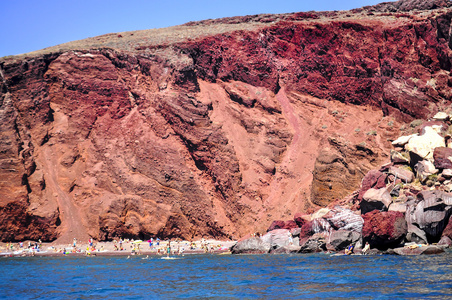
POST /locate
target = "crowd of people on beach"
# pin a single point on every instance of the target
(118, 246)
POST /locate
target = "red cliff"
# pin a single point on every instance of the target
(213, 128)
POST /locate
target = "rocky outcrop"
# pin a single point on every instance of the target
(216, 128)
(395, 211)
(384, 229)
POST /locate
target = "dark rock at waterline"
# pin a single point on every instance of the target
(384, 229)
(429, 249)
(278, 238)
(252, 245)
(316, 243)
(286, 249)
(445, 241)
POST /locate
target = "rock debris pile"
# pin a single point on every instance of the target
(404, 207)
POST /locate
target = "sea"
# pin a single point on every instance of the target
(283, 276)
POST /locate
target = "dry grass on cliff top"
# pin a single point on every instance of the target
(140, 40)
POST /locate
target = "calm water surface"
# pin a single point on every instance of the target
(316, 276)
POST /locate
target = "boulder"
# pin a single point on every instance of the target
(423, 145)
(384, 229)
(301, 219)
(445, 241)
(442, 157)
(414, 234)
(252, 245)
(306, 231)
(398, 206)
(320, 225)
(438, 126)
(431, 214)
(290, 224)
(295, 232)
(427, 249)
(399, 158)
(320, 213)
(277, 224)
(375, 199)
(345, 219)
(424, 169)
(447, 173)
(286, 249)
(278, 238)
(448, 229)
(405, 175)
(341, 239)
(316, 243)
(373, 179)
(442, 116)
(403, 140)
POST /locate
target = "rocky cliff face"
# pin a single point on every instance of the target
(212, 128)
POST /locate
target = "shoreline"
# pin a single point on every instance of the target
(130, 248)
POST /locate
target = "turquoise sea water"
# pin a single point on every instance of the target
(313, 276)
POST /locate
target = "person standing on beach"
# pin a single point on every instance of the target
(168, 249)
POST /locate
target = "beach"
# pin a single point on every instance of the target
(117, 247)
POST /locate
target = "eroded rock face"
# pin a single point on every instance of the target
(216, 135)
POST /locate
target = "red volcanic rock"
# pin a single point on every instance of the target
(442, 157)
(445, 241)
(408, 5)
(448, 229)
(306, 230)
(384, 229)
(298, 218)
(157, 133)
(373, 179)
(290, 224)
(277, 224)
